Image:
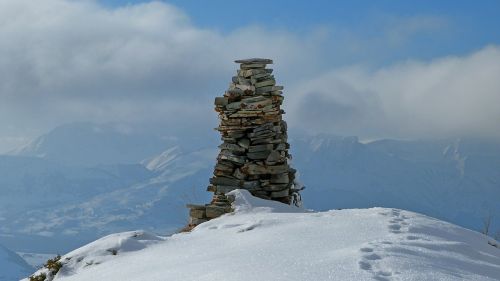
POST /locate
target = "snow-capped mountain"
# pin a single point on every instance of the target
(12, 266)
(93, 144)
(52, 206)
(457, 180)
(267, 240)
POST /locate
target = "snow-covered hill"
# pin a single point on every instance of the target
(267, 240)
(12, 266)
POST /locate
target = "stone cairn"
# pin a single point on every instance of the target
(254, 153)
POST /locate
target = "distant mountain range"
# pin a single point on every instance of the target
(12, 266)
(82, 181)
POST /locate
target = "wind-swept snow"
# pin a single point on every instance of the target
(266, 240)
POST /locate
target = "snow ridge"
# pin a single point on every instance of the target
(264, 240)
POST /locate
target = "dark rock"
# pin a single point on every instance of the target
(254, 60)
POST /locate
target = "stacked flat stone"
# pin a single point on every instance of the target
(254, 153)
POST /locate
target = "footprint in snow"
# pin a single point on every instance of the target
(395, 226)
(381, 278)
(366, 250)
(372, 257)
(412, 237)
(384, 273)
(365, 265)
(248, 228)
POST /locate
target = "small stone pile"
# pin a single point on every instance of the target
(254, 153)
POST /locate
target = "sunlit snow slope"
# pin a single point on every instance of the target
(265, 240)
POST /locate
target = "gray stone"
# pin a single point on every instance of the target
(251, 185)
(196, 213)
(196, 221)
(261, 134)
(268, 89)
(261, 76)
(245, 143)
(254, 60)
(244, 88)
(262, 141)
(223, 167)
(259, 155)
(214, 212)
(231, 198)
(235, 134)
(253, 169)
(234, 105)
(260, 147)
(223, 189)
(232, 147)
(221, 101)
(265, 83)
(238, 174)
(276, 187)
(227, 155)
(280, 178)
(252, 66)
(274, 157)
(225, 181)
(243, 81)
(278, 194)
(233, 93)
(281, 146)
(250, 72)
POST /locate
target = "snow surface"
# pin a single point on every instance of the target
(12, 266)
(266, 240)
(36, 260)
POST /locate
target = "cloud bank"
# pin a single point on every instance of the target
(63, 61)
(451, 96)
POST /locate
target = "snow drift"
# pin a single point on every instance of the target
(266, 240)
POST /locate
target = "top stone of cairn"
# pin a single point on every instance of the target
(255, 61)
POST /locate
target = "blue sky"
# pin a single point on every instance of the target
(374, 69)
(466, 25)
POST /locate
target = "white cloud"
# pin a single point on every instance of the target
(70, 60)
(444, 97)
(63, 61)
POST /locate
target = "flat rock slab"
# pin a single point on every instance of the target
(254, 60)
